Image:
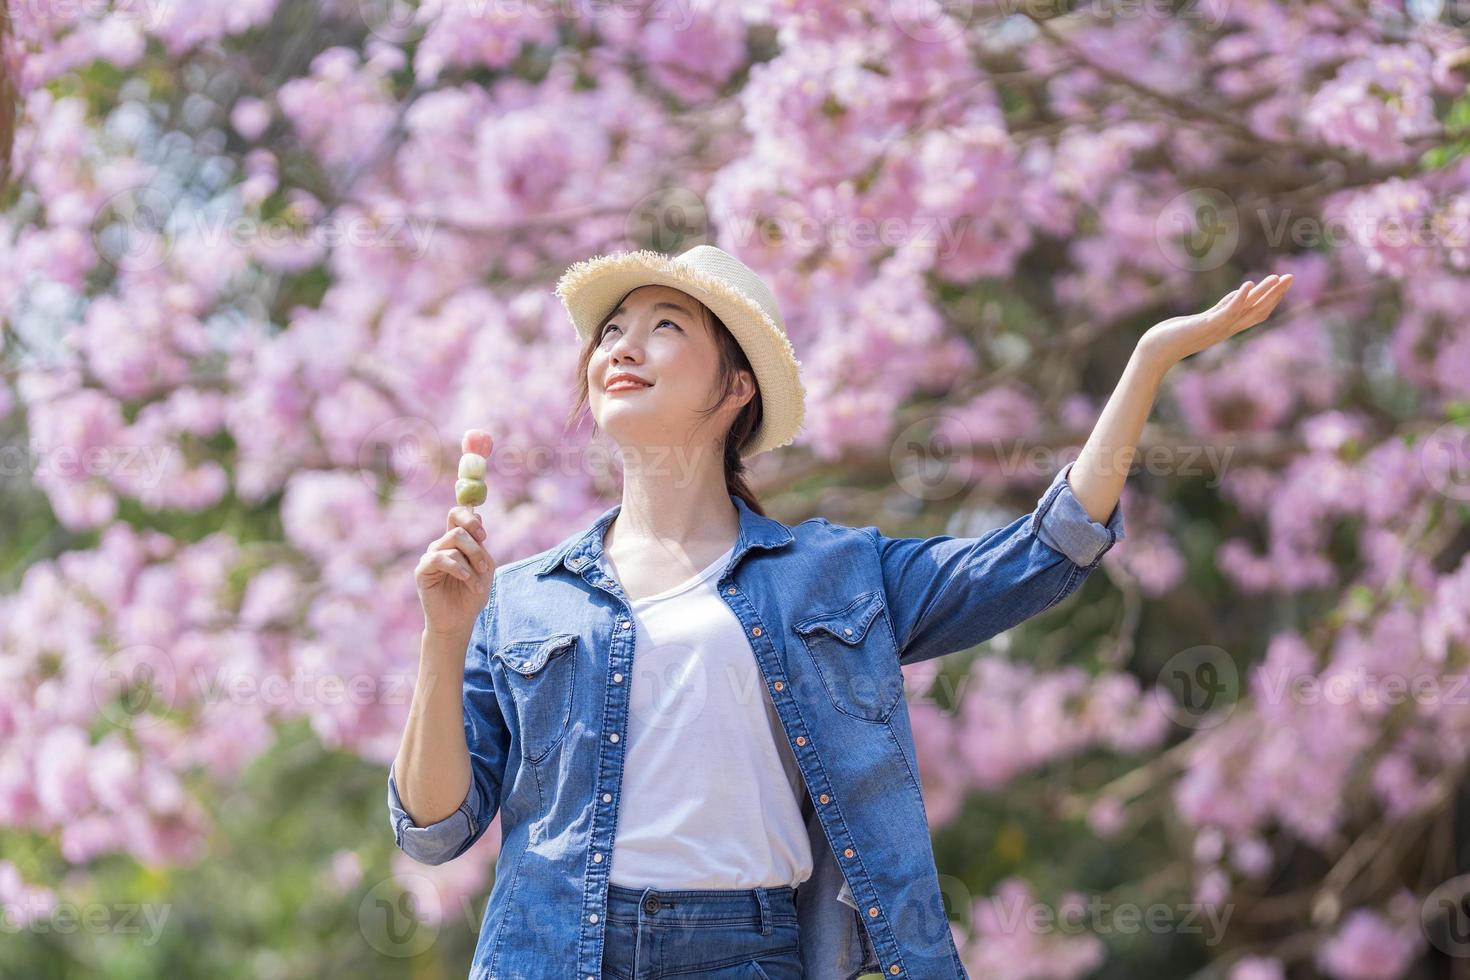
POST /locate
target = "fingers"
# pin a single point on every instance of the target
(1259, 302)
(450, 562)
(1271, 286)
(466, 518)
(465, 542)
(1265, 296)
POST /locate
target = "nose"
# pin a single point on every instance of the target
(623, 350)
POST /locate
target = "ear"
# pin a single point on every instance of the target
(745, 387)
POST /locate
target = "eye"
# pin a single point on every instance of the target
(614, 326)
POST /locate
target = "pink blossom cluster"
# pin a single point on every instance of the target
(1014, 719)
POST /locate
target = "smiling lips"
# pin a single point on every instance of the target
(626, 384)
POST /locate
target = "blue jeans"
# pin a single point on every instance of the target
(733, 934)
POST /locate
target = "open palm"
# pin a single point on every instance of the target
(1175, 339)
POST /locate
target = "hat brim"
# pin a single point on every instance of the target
(591, 289)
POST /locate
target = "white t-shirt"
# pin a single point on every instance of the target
(711, 792)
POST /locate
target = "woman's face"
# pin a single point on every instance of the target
(659, 335)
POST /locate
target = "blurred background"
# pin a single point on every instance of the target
(263, 261)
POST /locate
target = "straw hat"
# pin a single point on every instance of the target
(592, 289)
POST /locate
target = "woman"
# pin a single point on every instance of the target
(746, 802)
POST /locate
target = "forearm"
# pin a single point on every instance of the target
(1098, 476)
(432, 768)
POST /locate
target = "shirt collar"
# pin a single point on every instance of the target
(583, 552)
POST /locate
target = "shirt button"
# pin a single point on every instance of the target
(613, 737)
(893, 969)
(756, 631)
(779, 686)
(625, 624)
(617, 678)
(848, 853)
(607, 797)
(592, 917)
(824, 798)
(730, 590)
(597, 857)
(872, 911)
(575, 562)
(801, 740)
(847, 630)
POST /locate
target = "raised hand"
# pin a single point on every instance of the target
(1175, 339)
(454, 575)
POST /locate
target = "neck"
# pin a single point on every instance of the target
(677, 497)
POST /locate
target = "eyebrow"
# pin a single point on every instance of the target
(657, 306)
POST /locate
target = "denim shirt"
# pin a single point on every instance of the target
(832, 613)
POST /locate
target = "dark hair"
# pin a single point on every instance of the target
(732, 361)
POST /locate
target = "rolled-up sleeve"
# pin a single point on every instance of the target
(488, 740)
(947, 593)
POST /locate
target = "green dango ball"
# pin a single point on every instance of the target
(470, 493)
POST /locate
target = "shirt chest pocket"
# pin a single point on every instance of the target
(540, 674)
(853, 651)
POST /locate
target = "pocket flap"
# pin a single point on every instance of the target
(528, 656)
(849, 624)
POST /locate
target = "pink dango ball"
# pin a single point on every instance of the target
(476, 441)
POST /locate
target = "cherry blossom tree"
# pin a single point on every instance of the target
(264, 261)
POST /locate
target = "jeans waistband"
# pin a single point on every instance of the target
(758, 906)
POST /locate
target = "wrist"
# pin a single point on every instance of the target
(1150, 361)
(451, 639)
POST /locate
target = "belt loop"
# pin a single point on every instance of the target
(760, 897)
